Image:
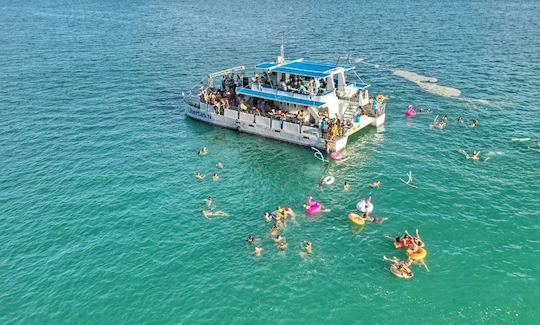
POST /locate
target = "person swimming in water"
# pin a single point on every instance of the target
(208, 213)
(368, 218)
(282, 245)
(308, 246)
(406, 240)
(199, 175)
(416, 248)
(444, 119)
(250, 239)
(408, 262)
(346, 186)
(417, 239)
(376, 184)
(475, 155)
(203, 151)
(438, 124)
(275, 230)
(220, 165)
(215, 177)
(402, 266)
(258, 251)
(460, 119)
(208, 201)
(281, 212)
(279, 239)
(424, 110)
(473, 122)
(267, 217)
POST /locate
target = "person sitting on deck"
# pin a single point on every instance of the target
(243, 106)
(302, 89)
(324, 124)
(213, 99)
(311, 87)
(289, 83)
(283, 85)
(300, 117)
(239, 81)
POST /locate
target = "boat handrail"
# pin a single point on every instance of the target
(226, 72)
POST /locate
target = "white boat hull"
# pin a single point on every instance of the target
(274, 129)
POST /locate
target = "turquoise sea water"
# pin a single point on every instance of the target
(100, 212)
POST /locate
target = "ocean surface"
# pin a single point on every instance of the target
(101, 215)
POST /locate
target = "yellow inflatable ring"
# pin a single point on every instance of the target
(356, 219)
(418, 255)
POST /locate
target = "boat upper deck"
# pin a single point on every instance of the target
(304, 68)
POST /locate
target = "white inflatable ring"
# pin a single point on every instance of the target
(361, 206)
(328, 180)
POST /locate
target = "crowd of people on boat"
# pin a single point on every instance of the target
(227, 98)
(332, 128)
(220, 99)
(295, 84)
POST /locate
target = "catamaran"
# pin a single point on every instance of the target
(294, 100)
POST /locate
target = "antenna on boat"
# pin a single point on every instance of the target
(281, 57)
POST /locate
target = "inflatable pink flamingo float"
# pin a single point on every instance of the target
(410, 111)
(312, 206)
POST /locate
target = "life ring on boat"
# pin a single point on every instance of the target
(313, 206)
(356, 219)
(336, 155)
(400, 273)
(417, 255)
(380, 98)
(363, 207)
(328, 180)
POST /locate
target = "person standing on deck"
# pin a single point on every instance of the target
(323, 126)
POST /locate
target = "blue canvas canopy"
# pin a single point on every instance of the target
(304, 68)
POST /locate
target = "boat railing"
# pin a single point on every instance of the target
(271, 122)
(289, 124)
(192, 100)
